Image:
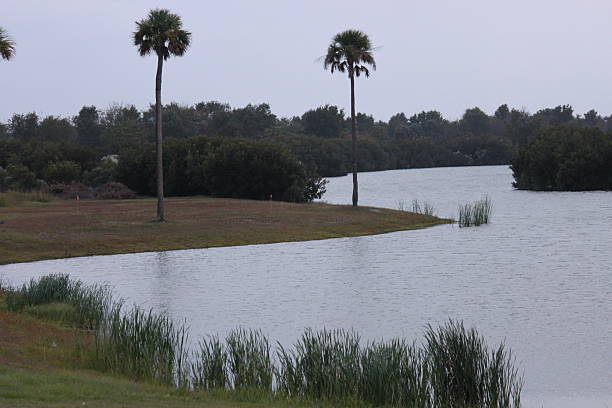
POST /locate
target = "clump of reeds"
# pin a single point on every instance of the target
(393, 373)
(453, 368)
(475, 214)
(142, 345)
(242, 363)
(423, 207)
(209, 370)
(464, 372)
(322, 365)
(90, 303)
(417, 207)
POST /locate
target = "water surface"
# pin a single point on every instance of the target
(538, 277)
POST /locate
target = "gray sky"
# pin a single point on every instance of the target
(443, 55)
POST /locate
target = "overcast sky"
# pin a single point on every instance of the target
(442, 55)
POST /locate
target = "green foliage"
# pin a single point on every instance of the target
(475, 214)
(20, 178)
(7, 45)
(454, 367)
(566, 159)
(90, 303)
(62, 172)
(88, 126)
(161, 32)
(464, 372)
(350, 51)
(325, 121)
(235, 168)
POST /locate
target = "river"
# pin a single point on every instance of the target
(539, 277)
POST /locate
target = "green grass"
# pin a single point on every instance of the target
(16, 198)
(454, 367)
(475, 214)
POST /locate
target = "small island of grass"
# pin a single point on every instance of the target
(31, 231)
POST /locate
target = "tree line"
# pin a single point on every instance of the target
(319, 139)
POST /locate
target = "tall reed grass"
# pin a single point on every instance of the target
(417, 207)
(453, 367)
(475, 214)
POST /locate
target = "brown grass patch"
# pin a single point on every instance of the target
(90, 227)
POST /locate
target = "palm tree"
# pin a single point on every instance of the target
(161, 32)
(7, 45)
(350, 51)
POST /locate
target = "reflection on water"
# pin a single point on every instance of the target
(539, 277)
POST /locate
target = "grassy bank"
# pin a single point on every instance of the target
(452, 367)
(32, 231)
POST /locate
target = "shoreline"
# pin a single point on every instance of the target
(68, 229)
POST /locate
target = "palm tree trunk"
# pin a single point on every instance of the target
(354, 142)
(158, 140)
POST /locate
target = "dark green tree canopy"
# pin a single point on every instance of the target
(324, 121)
(161, 32)
(351, 52)
(7, 45)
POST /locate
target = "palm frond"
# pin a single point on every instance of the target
(350, 51)
(7, 45)
(161, 32)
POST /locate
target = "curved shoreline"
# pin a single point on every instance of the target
(67, 229)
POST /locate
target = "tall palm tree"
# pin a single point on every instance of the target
(7, 45)
(350, 51)
(162, 33)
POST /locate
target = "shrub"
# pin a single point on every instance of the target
(62, 172)
(566, 159)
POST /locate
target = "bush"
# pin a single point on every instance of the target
(21, 178)
(565, 159)
(62, 172)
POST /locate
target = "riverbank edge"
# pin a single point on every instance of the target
(360, 221)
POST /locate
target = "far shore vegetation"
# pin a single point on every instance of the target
(452, 366)
(37, 226)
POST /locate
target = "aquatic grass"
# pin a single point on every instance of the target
(394, 374)
(322, 365)
(143, 345)
(417, 207)
(475, 214)
(454, 367)
(90, 302)
(209, 370)
(249, 360)
(464, 372)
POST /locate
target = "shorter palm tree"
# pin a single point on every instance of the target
(7, 45)
(350, 51)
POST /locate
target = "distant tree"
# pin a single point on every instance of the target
(7, 45)
(365, 122)
(474, 121)
(324, 121)
(24, 127)
(398, 125)
(56, 129)
(502, 112)
(351, 51)
(63, 171)
(428, 124)
(21, 178)
(162, 33)
(558, 116)
(88, 126)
